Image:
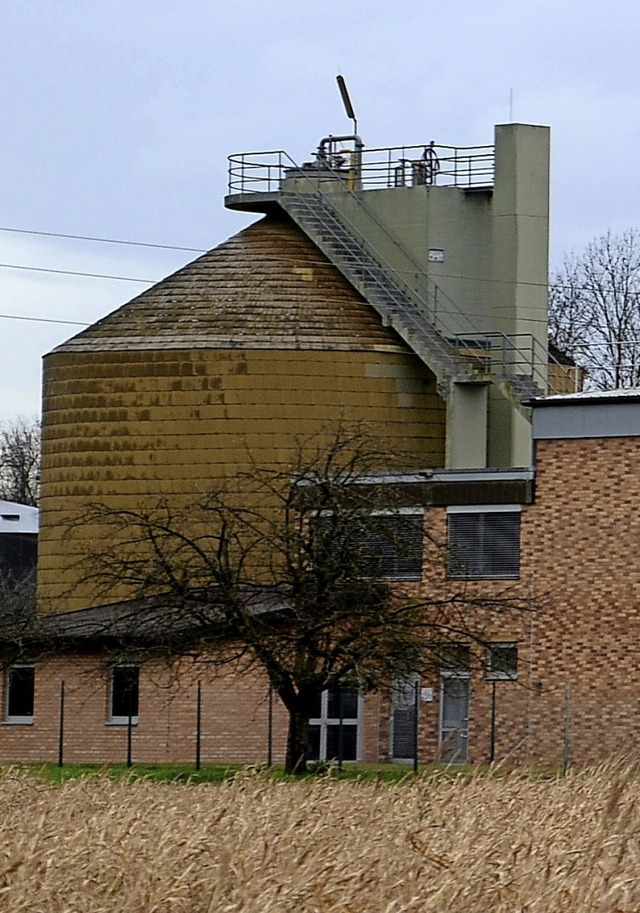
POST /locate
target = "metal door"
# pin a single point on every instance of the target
(403, 719)
(454, 719)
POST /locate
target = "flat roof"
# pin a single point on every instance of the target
(591, 414)
(587, 396)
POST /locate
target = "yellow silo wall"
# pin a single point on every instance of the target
(130, 428)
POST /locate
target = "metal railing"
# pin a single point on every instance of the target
(511, 357)
(258, 172)
(388, 166)
(434, 164)
(523, 356)
(433, 306)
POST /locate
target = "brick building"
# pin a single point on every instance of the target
(557, 681)
(403, 289)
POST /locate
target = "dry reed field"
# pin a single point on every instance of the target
(259, 846)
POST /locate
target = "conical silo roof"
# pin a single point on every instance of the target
(267, 287)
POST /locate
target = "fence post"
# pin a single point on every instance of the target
(129, 736)
(340, 730)
(492, 746)
(198, 723)
(61, 728)
(566, 754)
(416, 709)
(270, 729)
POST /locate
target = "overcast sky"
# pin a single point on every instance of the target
(118, 116)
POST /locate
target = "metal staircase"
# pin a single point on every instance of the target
(319, 198)
(524, 388)
(399, 305)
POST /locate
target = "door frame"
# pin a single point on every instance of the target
(409, 682)
(449, 675)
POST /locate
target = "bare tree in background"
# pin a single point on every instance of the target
(20, 460)
(17, 601)
(594, 311)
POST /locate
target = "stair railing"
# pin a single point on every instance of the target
(495, 352)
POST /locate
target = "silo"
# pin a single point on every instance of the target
(233, 358)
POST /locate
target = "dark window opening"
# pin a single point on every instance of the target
(454, 658)
(502, 661)
(20, 692)
(124, 693)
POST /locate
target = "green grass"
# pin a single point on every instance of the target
(219, 773)
(209, 773)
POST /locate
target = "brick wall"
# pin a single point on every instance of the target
(234, 716)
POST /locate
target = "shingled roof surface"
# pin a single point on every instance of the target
(267, 287)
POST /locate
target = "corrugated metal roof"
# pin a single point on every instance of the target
(267, 287)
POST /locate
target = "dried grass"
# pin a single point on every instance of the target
(259, 846)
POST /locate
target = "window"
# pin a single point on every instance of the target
(381, 543)
(454, 658)
(124, 694)
(484, 542)
(502, 662)
(334, 725)
(20, 692)
(391, 545)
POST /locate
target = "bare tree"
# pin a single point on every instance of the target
(594, 311)
(287, 570)
(20, 460)
(17, 601)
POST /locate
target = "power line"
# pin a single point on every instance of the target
(72, 272)
(198, 250)
(56, 234)
(193, 250)
(272, 258)
(72, 323)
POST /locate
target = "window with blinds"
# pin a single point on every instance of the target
(391, 546)
(385, 545)
(484, 543)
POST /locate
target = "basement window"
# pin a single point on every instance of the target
(502, 662)
(484, 542)
(19, 694)
(123, 694)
